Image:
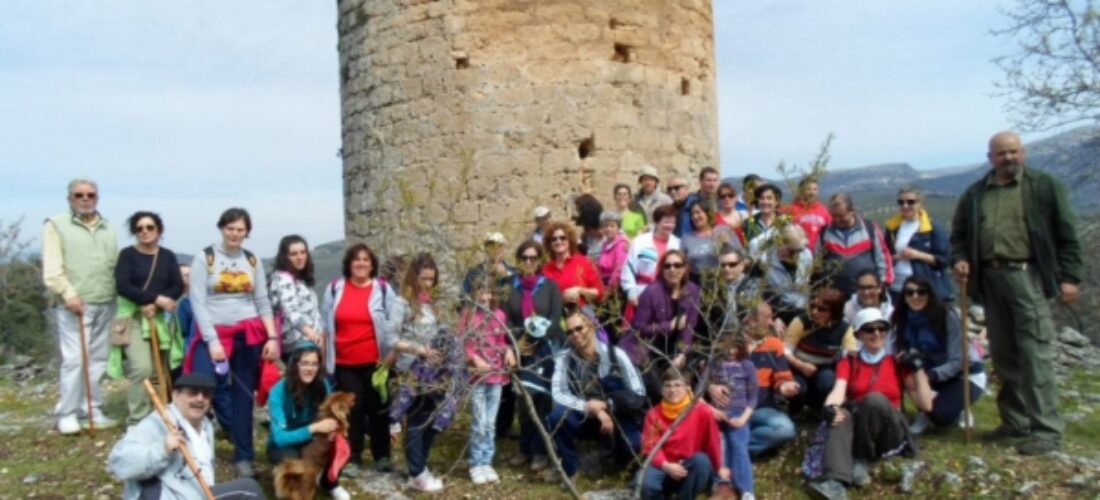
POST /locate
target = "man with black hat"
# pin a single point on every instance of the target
(146, 458)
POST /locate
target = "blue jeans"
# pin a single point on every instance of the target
(484, 403)
(567, 425)
(235, 395)
(818, 386)
(530, 441)
(656, 485)
(421, 433)
(769, 428)
(735, 453)
(948, 404)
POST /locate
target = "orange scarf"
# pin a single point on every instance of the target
(673, 410)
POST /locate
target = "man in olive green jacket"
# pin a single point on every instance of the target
(1014, 242)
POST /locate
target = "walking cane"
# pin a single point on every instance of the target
(154, 345)
(187, 458)
(964, 305)
(87, 376)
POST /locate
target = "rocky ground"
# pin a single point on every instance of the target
(36, 462)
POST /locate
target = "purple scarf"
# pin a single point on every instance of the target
(527, 284)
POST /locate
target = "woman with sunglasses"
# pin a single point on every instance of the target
(293, 405)
(148, 281)
(870, 292)
(634, 221)
(929, 347)
(534, 300)
(919, 245)
(574, 273)
(816, 341)
(864, 411)
(664, 322)
(727, 214)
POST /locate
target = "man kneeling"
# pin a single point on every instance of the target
(147, 457)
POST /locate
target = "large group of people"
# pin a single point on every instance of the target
(604, 328)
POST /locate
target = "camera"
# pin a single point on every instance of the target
(911, 358)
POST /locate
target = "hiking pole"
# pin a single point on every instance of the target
(964, 305)
(154, 345)
(187, 458)
(87, 376)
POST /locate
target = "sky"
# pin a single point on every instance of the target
(187, 108)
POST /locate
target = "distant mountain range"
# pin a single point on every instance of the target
(1072, 156)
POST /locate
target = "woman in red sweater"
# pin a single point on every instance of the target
(575, 274)
(684, 466)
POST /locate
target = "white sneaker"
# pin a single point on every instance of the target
(920, 424)
(490, 474)
(68, 425)
(339, 493)
(748, 496)
(964, 418)
(425, 482)
(477, 475)
(101, 422)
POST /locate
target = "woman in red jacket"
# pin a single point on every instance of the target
(684, 466)
(574, 273)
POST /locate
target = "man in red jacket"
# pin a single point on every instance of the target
(808, 211)
(685, 464)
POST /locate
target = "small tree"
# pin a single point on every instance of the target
(22, 296)
(1053, 79)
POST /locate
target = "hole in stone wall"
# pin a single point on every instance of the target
(685, 86)
(623, 53)
(587, 147)
(462, 62)
(614, 23)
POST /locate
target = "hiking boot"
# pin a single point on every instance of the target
(723, 491)
(829, 489)
(539, 463)
(920, 424)
(244, 469)
(351, 470)
(551, 475)
(860, 475)
(1038, 446)
(1004, 434)
(383, 466)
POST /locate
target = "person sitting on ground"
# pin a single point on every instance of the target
(870, 293)
(148, 459)
(782, 275)
(863, 412)
(598, 394)
(929, 347)
(293, 405)
(736, 373)
(816, 341)
(685, 465)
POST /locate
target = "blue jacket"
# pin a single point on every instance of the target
(289, 424)
(929, 238)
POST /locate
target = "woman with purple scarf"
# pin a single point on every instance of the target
(534, 308)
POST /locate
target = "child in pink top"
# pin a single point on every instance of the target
(490, 358)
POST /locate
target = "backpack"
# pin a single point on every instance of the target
(209, 252)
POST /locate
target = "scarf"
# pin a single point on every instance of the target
(673, 410)
(527, 284)
(872, 359)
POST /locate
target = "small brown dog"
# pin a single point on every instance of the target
(296, 479)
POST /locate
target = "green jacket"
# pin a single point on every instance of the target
(1051, 228)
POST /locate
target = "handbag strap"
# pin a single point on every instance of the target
(152, 269)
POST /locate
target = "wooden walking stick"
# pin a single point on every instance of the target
(964, 305)
(187, 458)
(87, 376)
(154, 345)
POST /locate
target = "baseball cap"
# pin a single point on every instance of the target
(869, 315)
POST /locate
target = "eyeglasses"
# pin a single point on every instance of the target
(81, 196)
(915, 292)
(867, 288)
(194, 393)
(904, 202)
(554, 239)
(673, 265)
(529, 258)
(575, 330)
(879, 329)
(727, 196)
(677, 187)
(147, 227)
(730, 265)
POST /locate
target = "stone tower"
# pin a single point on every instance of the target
(460, 116)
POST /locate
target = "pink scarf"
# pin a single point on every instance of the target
(527, 284)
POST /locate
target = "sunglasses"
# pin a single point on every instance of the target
(558, 238)
(909, 203)
(575, 330)
(674, 265)
(82, 196)
(914, 292)
(727, 196)
(529, 258)
(146, 228)
(879, 329)
(867, 288)
(730, 265)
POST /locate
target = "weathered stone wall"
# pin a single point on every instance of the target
(463, 115)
